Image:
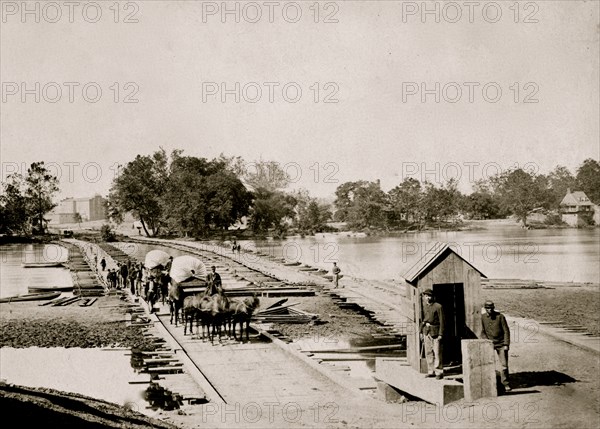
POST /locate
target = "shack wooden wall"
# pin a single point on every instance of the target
(451, 269)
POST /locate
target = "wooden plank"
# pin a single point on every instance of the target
(69, 302)
(404, 378)
(158, 360)
(274, 309)
(91, 302)
(164, 369)
(358, 349)
(479, 369)
(54, 301)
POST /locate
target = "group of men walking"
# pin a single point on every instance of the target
(149, 284)
(493, 327)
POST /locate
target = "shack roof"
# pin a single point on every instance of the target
(438, 252)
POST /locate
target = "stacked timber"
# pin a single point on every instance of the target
(167, 371)
(284, 313)
(66, 301)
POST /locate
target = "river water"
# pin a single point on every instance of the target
(562, 255)
(99, 373)
(15, 280)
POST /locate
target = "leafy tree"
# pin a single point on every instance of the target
(14, 215)
(441, 203)
(107, 233)
(40, 189)
(560, 180)
(520, 192)
(481, 205)
(361, 204)
(227, 198)
(182, 199)
(266, 175)
(404, 201)
(271, 209)
(203, 194)
(310, 215)
(139, 189)
(588, 179)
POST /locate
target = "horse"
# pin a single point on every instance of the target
(164, 280)
(151, 293)
(242, 313)
(200, 308)
(188, 312)
(175, 299)
(204, 307)
(219, 313)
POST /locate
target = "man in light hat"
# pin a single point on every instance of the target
(432, 330)
(495, 328)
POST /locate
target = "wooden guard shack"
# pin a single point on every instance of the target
(456, 285)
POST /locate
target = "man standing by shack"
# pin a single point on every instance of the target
(432, 330)
(495, 328)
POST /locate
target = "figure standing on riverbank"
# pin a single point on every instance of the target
(336, 275)
(495, 328)
(103, 264)
(432, 330)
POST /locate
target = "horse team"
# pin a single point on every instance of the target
(214, 314)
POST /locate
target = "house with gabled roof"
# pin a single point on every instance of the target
(576, 208)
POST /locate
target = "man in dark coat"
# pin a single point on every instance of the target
(432, 330)
(495, 328)
(214, 282)
(124, 272)
(336, 275)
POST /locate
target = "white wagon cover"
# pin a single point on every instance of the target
(154, 258)
(186, 267)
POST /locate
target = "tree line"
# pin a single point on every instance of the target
(364, 204)
(25, 200)
(190, 196)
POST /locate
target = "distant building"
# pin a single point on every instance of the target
(89, 209)
(576, 208)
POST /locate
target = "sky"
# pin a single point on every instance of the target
(332, 91)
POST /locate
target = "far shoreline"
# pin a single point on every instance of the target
(91, 231)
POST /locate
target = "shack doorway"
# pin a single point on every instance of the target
(452, 298)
